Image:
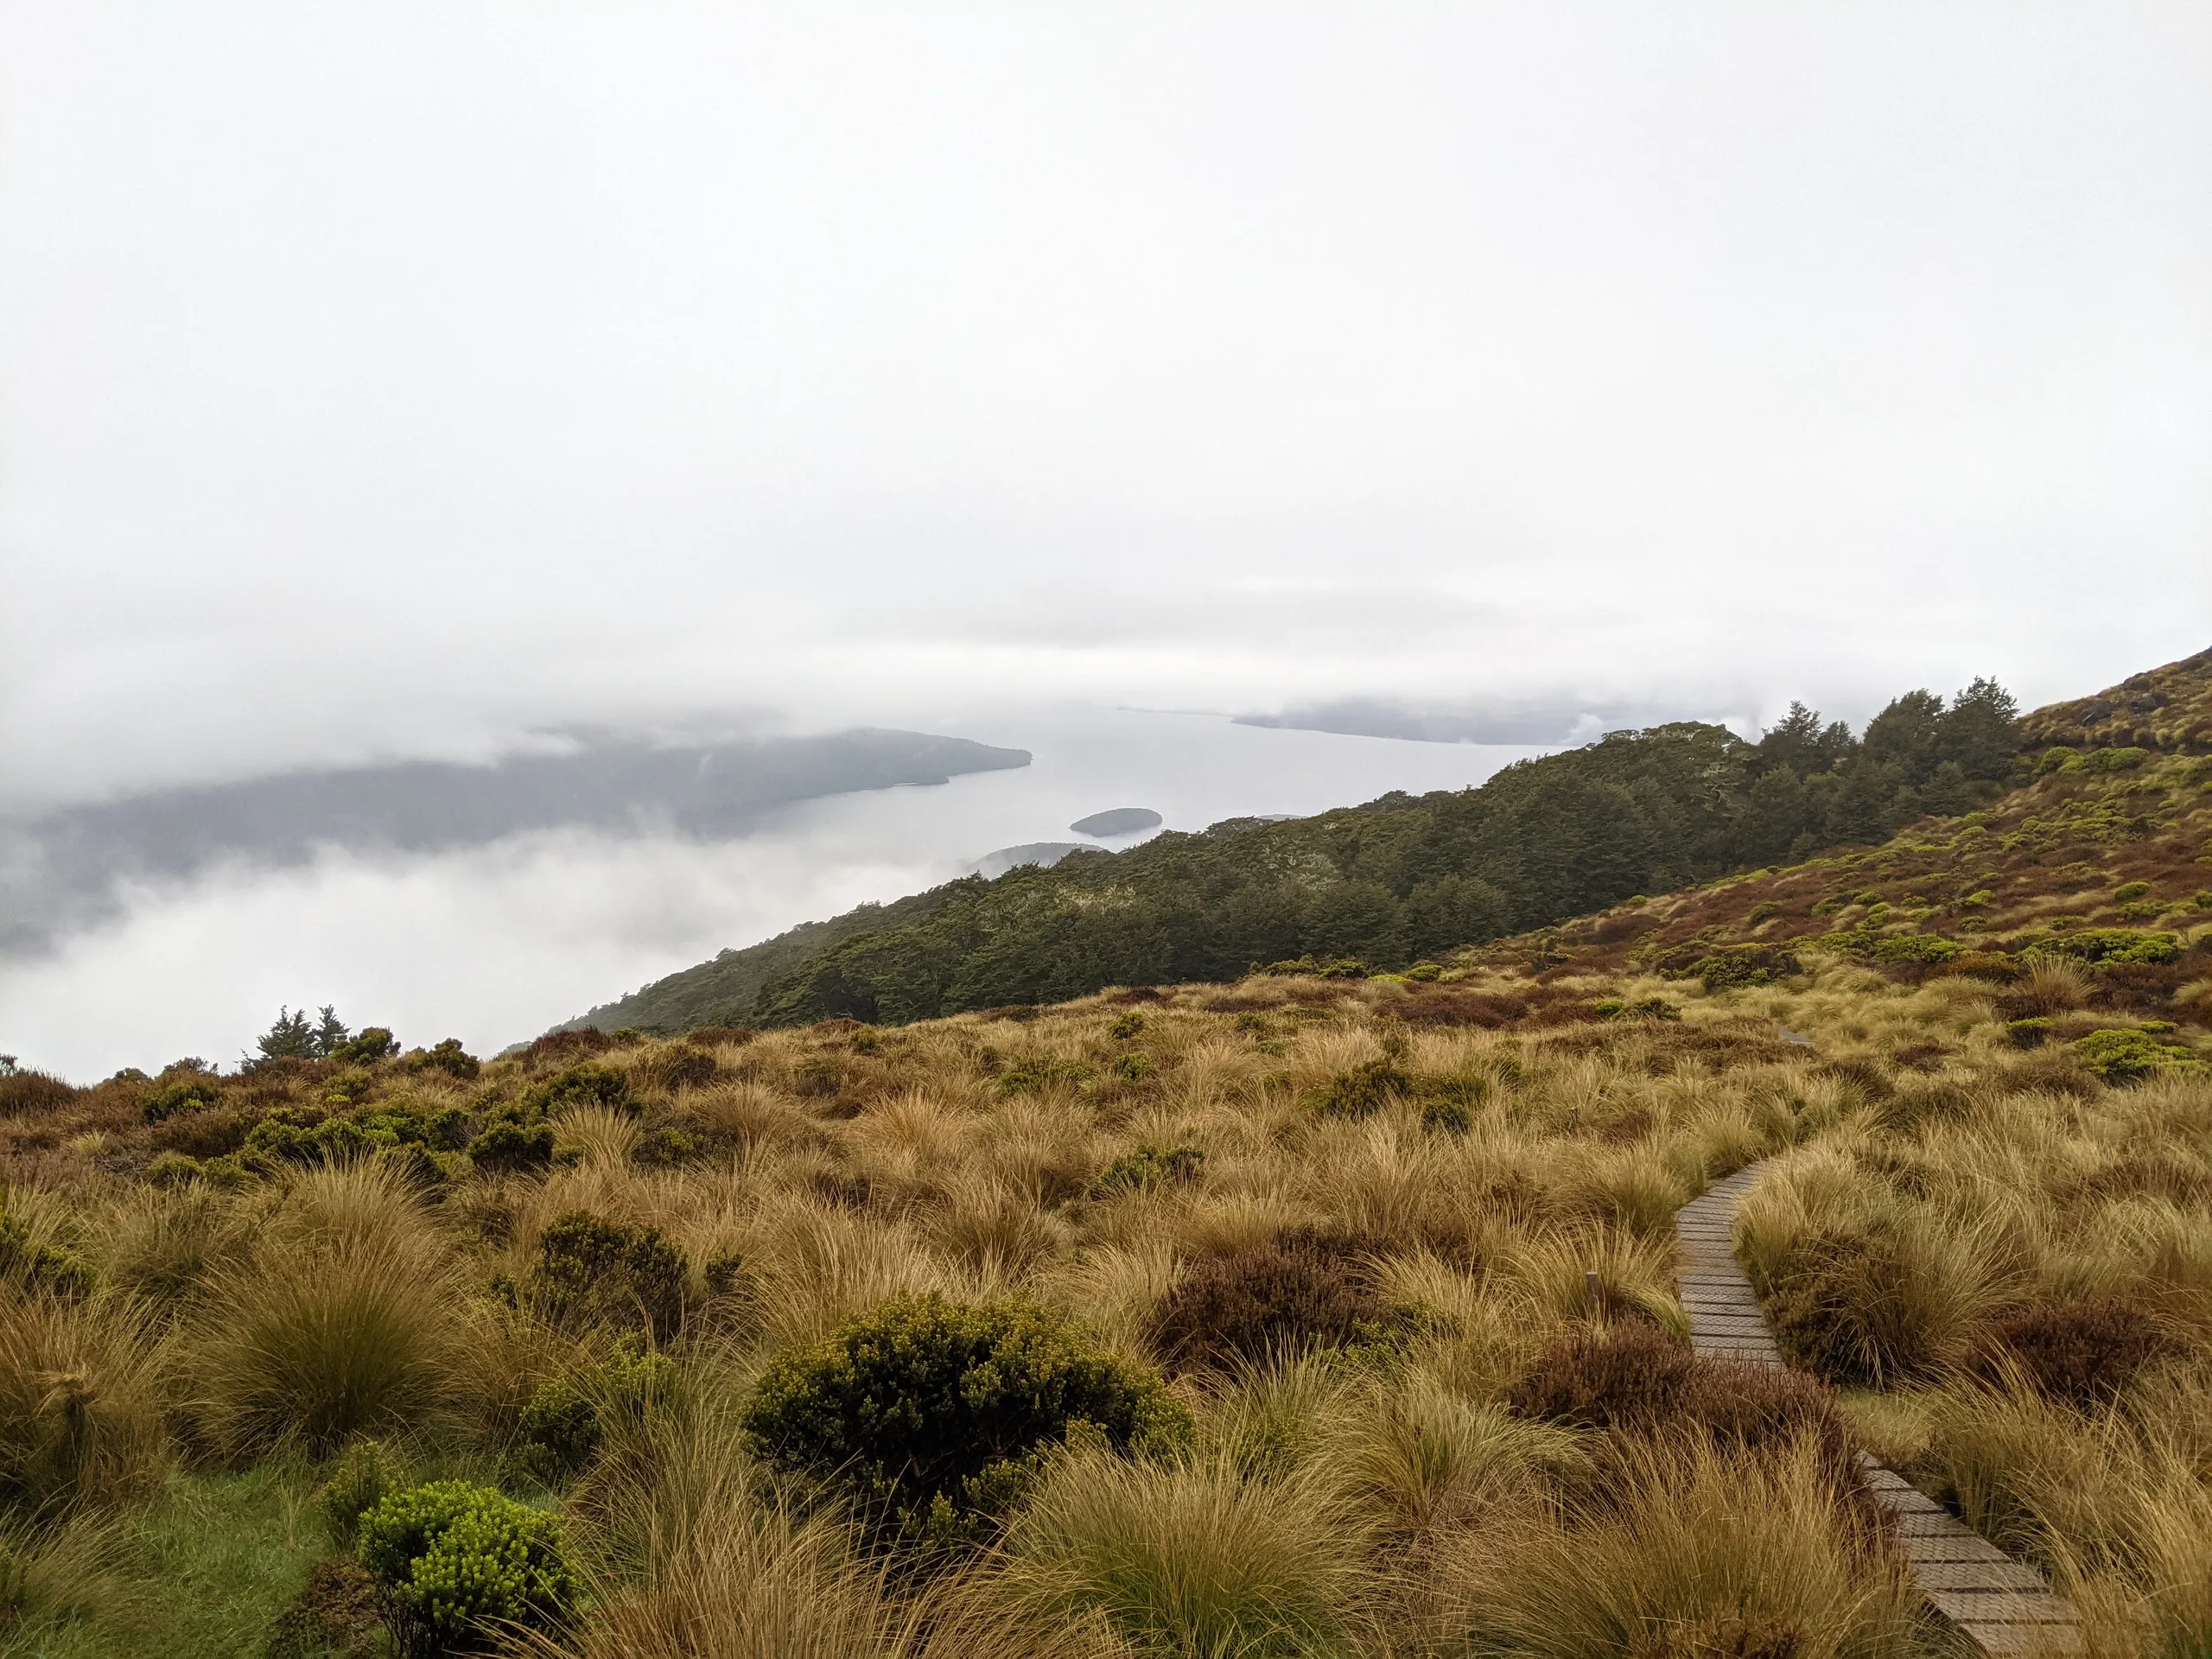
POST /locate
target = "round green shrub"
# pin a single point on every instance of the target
(595, 1272)
(934, 1415)
(452, 1562)
(2129, 1056)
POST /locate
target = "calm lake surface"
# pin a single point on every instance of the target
(494, 943)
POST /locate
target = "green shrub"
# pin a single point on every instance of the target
(934, 1417)
(1422, 973)
(588, 1084)
(2031, 1032)
(1132, 1068)
(2130, 890)
(358, 1481)
(594, 1272)
(566, 1420)
(371, 1044)
(511, 1142)
(1147, 1168)
(2129, 1056)
(1126, 1027)
(193, 1091)
(1363, 1090)
(447, 1056)
(1741, 965)
(2104, 944)
(453, 1561)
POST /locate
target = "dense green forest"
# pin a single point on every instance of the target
(1388, 882)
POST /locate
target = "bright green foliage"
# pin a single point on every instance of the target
(934, 1417)
(2100, 945)
(2129, 890)
(452, 1560)
(2128, 1056)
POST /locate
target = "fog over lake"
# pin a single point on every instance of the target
(494, 943)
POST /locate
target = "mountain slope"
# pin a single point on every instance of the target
(1386, 883)
(2103, 853)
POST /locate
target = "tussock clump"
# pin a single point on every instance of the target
(81, 1408)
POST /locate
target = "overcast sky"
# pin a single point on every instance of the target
(393, 378)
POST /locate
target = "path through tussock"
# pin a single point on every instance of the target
(1998, 1604)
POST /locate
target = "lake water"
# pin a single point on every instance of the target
(495, 944)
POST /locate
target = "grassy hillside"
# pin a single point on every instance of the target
(1364, 1288)
(1385, 884)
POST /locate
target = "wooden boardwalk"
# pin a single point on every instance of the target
(1999, 1605)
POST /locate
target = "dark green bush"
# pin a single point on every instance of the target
(358, 1483)
(452, 1562)
(2129, 890)
(1363, 1090)
(588, 1084)
(2031, 1032)
(933, 1416)
(593, 1272)
(447, 1056)
(1132, 1068)
(566, 1420)
(1740, 965)
(1126, 1027)
(511, 1142)
(191, 1092)
(1148, 1168)
(370, 1044)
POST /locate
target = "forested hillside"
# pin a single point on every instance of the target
(1387, 883)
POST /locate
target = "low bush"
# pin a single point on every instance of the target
(512, 1142)
(453, 1562)
(1363, 1090)
(187, 1091)
(588, 1084)
(448, 1057)
(2108, 944)
(1302, 1289)
(593, 1272)
(358, 1483)
(2130, 1056)
(1148, 1169)
(1627, 1375)
(2077, 1353)
(565, 1421)
(1741, 965)
(933, 1416)
(368, 1047)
